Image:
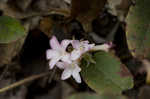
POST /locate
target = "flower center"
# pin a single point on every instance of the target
(73, 65)
(81, 47)
(62, 53)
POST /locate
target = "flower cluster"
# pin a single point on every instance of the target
(69, 62)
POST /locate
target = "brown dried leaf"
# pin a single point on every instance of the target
(16, 13)
(146, 64)
(86, 10)
(144, 92)
(9, 51)
(46, 26)
(119, 8)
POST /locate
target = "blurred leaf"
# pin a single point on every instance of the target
(119, 8)
(144, 92)
(46, 25)
(53, 26)
(10, 29)
(138, 29)
(94, 96)
(86, 10)
(107, 75)
(146, 67)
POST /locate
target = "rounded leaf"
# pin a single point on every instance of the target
(107, 75)
(138, 29)
(10, 29)
(95, 96)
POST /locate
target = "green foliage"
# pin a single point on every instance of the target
(94, 96)
(106, 75)
(10, 29)
(88, 58)
(138, 29)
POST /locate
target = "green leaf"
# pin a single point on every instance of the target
(88, 58)
(138, 29)
(108, 74)
(10, 29)
(95, 96)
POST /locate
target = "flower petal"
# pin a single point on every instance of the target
(75, 54)
(76, 44)
(77, 68)
(66, 74)
(66, 58)
(77, 77)
(104, 47)
(54, 43)
(53, 62)
(76, 74)
(88, 47)
(91, 46)
(51, 54)
(61, 65)
(85, 42)
(65, 43)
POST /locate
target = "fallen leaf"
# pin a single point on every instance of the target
(146, 65)
(46, 25)
(138, 29)
(85, 11)
(144, 92)
(119, 8)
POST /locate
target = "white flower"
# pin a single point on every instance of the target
(80, 48)
(69, 62)
(58, 52)
(70, 70)
(104, 47)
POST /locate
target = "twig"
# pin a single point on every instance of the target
(28, 79)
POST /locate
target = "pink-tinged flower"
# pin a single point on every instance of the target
(103, 47)
(70, 70)
(58, 52)
(80, 48)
